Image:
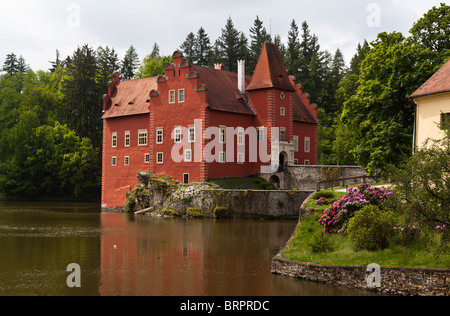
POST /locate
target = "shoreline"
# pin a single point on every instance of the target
(394, 281)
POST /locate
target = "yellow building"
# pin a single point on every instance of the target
(432, 101)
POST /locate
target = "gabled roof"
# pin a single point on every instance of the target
(438, 83)
(301, 112)
(270, 71)
(223, 93)
(131, 98)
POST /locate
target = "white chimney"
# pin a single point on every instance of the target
(241, 76)
(218, 66)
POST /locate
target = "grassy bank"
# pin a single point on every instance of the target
(310, 244)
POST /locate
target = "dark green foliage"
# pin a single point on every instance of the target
(370, 228)
(321, 242)
(82, 95)
(129, 64)
(424, 182)
(228, 46)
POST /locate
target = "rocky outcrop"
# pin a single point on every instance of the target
(162, 196)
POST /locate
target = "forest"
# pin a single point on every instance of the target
(50, 120)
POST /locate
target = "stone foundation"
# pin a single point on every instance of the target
(393, 281)
(162, 196)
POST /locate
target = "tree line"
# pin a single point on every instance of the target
(50, 121)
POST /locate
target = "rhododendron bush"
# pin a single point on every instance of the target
(335, 218)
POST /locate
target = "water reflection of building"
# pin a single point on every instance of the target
(141, 257)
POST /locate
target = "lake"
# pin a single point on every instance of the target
(138, 255)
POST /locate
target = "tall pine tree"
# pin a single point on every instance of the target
(188, 48)
(227, 45)
(202, 47)
(11, 64)
(129, 64)
(82, 101)
(293, 50)
(258, 36)
(108, 64)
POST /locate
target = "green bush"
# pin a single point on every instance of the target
(324, 195)
(370, 229)
(321, 242)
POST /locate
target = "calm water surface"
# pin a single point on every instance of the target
(127, 255)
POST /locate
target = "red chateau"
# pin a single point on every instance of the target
(145, 119)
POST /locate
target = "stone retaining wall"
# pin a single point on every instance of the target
(251, 203)
(393, 281)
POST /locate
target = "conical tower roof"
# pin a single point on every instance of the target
(270, 71)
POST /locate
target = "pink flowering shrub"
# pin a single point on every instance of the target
(335, 218)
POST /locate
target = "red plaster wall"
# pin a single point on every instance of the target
(232, 169)
(119, 179)
(168, 116)
(303, 130)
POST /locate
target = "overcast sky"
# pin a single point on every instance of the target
(36, 28)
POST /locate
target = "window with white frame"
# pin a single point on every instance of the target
(260, 131)
(240, 158)
(222, 134)
(114, 161)
(127, 161)
(307, 162)
(241, 136)
(147, 158)
(160, 158)
(159, 135)
(282, 111)
(192, 134)
(177, 134)
(307, 144)
(127, 139)
(282, 134)
(181, 95)
(296, 143)
(222, 157)
(143, 137)
(114, 140)
(188, 155)
(171, 96)
(296, 162)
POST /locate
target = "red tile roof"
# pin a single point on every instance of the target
(438, 83)
(223, 93)
(131, 98)
(270, 71)
(301, 113)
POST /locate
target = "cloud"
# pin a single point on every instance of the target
(35, 29)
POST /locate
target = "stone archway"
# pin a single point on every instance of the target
(275, 181)
(283, 160)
